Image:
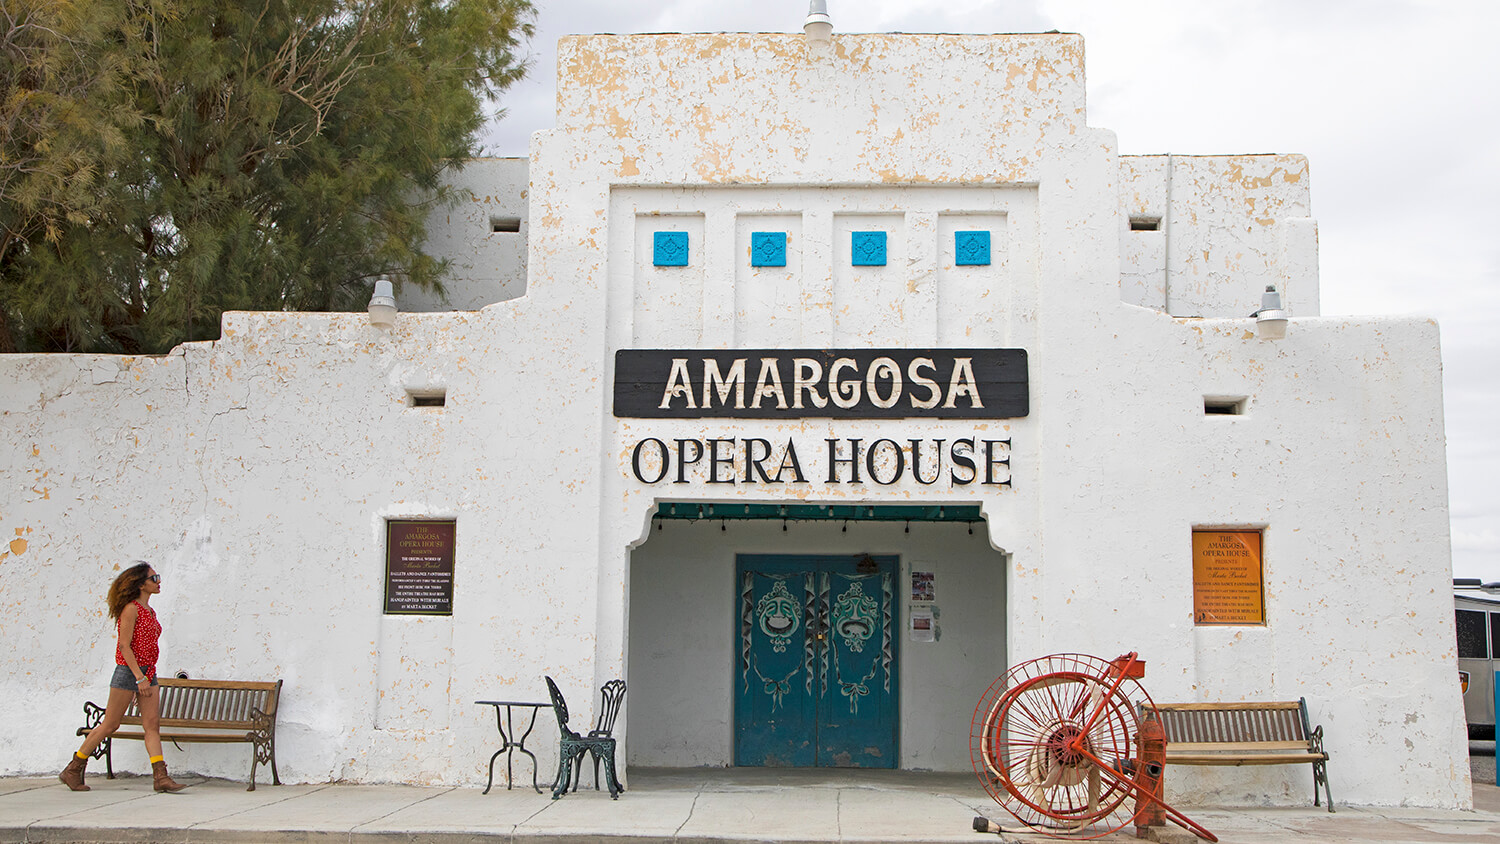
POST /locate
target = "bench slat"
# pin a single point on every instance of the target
(1225, 760)
(196, 722)
(188, 737)
(255, 685)
(1232, 746)
(1260, 725)
(209, 725)
(1239, 704)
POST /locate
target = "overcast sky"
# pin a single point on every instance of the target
(1394, 102)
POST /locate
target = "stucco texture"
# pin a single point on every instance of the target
(256, 472)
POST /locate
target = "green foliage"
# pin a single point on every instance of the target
(63, 112)
(231, 155)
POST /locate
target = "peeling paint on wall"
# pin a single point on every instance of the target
(256, 471)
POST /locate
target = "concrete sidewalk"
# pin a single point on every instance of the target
(696, 805)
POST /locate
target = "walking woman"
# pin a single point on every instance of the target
(134, 678)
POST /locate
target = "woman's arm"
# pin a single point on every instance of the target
(127, 633)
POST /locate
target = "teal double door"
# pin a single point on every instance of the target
(815, 666)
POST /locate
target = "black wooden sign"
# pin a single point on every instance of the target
(419, 567)
(842, 383)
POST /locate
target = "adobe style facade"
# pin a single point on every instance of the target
(806, 388)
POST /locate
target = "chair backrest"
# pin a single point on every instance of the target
(611, 695)
(560, 709)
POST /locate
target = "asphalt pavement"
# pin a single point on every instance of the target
(1482, 762)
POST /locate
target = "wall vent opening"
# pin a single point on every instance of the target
(505, 224)
(1224, 405)
(426, 398)
(1145, 224)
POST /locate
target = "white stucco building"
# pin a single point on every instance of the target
(978, 346)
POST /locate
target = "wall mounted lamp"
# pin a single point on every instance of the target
(818, 27)
(1270, 320)
(382, 305)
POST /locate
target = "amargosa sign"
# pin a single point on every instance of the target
(798, 383)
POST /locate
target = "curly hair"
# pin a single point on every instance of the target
(127, 587)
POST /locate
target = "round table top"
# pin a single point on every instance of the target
(511, 703)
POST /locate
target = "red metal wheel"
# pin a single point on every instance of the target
(1040, 734)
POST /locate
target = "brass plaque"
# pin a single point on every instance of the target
(1227, 577)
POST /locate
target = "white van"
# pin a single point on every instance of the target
(1477, 609)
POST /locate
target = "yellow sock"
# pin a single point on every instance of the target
(155, 759)
(79, 755)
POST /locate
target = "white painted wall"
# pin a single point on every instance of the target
(1228, 225)
(257, 471)
(485, 265)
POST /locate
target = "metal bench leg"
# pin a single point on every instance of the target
(1320, 777)
(263, 743)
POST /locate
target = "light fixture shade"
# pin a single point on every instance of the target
(1271, 325)
(382, 305)
(818, 27)
(1270, 320)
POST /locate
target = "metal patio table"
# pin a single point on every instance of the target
(509, 741)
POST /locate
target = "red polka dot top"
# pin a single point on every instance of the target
(144, 641)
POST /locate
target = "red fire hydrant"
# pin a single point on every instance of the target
(1151, 744)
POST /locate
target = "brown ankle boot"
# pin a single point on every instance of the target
(161, 780)
(72, 776)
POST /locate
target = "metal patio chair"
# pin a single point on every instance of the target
(572, 746)
(611, 695)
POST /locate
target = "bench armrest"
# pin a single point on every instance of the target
(1315, 739)
(264, 724)
(93, 713)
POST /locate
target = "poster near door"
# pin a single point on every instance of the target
(816, 662)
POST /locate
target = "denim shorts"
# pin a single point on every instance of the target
(124, 678)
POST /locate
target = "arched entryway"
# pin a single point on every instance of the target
(686, 660)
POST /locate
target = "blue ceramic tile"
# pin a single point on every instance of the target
(971, 249)
(868, 249)
(768, 249)
(670, 249)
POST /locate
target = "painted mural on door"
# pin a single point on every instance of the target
(815, 674)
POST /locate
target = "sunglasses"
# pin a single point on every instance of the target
(155, 578)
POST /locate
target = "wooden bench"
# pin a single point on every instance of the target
(1244, 733)
(204, 711)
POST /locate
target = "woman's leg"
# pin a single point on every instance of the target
(149, 700)
(114, 710)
